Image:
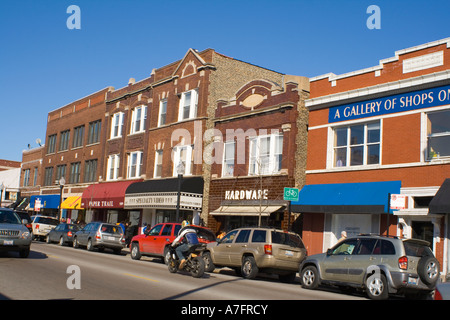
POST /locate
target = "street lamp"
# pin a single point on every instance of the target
(180, 171)
(62, 182)
(2, 186)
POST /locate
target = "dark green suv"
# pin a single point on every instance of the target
(377, 264)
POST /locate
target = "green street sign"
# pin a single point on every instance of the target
(290, 194)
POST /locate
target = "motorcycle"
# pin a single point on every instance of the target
(194, 261)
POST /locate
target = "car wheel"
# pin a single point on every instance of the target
(249, 268)
(75, 243)
(61, 241)
(310, 278)
(90, 245)
(166, 255)
(428, 269)
(377, 287)
(47, 239)
(209, 265)
(135, 252)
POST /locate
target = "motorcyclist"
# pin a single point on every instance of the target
(187, 237)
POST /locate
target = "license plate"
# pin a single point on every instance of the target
(289, 253)
(412, 280)
(110, 238)
(8, 242)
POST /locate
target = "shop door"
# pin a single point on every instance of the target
(423, 230)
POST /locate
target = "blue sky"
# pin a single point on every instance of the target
(44, 65)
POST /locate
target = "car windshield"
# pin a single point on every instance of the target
(111, 229)
(9, 217)
(417, 249)
(290, 239)
(50, 221)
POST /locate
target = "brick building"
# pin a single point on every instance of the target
(72, 156)
(374, 132)
(260, 148)
(31, 175)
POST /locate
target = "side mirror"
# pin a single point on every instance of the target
(24, 221)
(329, 252)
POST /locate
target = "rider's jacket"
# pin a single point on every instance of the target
(188, 236)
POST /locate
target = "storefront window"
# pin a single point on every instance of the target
(438, 134)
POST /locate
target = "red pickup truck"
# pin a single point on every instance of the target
(154, 241)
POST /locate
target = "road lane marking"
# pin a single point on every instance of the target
(139, 277)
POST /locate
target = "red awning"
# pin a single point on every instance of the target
(109, 195)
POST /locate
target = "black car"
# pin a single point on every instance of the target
(63, 233)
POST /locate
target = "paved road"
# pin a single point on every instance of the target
(106, 276)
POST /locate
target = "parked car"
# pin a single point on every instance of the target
(63, 233)
(100, 235)
(377, 264)
(42, 225)
(14, 236)
(252, 250)
(26, 219)
(154, 241)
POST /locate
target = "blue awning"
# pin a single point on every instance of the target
(364, 197)
(48, 201)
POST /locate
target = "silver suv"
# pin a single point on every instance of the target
(100, 235)
(14, 235)
(377, 264)
(252, 250)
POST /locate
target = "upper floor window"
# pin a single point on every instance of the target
(182, 158)
(357, 145)
(64, 140)
(48, 176)
(138, 117)
(117, 125)
(162, 112)
(51, 144)
(438, 134)
(228, 159)
(112, 172)
(135, 162)
(26, 177)
(188, 105)
(158, 164)
(266, 154)
(75, 172)
(78, 137)
(90, 170)
(95, 128)
(60, 172)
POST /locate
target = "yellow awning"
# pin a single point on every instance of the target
(71, 203)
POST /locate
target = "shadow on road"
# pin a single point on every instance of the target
(186, 293)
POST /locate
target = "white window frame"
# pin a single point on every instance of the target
(192, 103)
(158, 156)
(162, 106)
(429, 154)
(365, 145)
(176, 156)
(228, 171)
(135, 163)
(274, 156)
(138, 119)
(117, 122)
(113, 166)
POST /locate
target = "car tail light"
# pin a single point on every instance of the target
(69, 234)
(268, 249)
(37, 226)
(98, 236)
(403, 263)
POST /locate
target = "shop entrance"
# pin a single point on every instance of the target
(423, 230)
